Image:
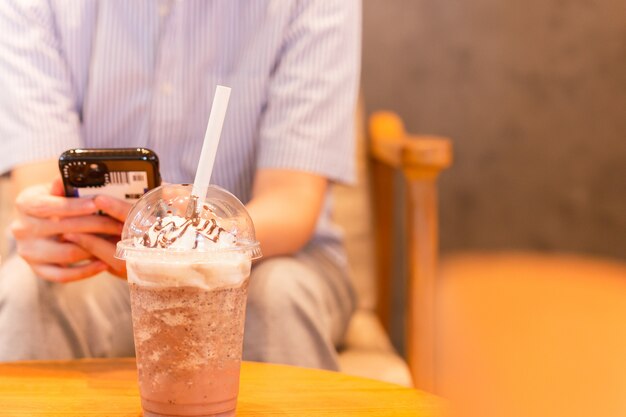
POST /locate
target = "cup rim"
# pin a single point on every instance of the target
(127, 247)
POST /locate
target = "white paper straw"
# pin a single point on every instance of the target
(211, 141)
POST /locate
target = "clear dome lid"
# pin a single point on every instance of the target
(167, 222)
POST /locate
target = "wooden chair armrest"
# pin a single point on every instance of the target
(420, 159)
(415, 155)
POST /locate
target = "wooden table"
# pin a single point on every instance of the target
(108, 387)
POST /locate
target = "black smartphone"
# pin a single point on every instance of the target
(124, 173)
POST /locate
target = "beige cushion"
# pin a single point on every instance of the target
(369, 352)
(382, 366)
(366, 332)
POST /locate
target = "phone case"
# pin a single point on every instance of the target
(125, 173)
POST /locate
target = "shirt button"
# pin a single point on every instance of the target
(166, 88)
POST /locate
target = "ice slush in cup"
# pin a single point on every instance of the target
(188, 264)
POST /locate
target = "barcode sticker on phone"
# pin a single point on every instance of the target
(125, 185)
(119, 178)
(123, 177)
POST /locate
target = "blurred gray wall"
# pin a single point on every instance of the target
(534, 95)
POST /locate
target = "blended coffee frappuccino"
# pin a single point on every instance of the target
(188, 280)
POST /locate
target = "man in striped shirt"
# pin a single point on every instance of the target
(124, 74)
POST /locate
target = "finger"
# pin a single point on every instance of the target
(101, 249)
(37, 202)
(27, 227)
(56, 188)
(50, 251)
(114, 207)
(56, 273)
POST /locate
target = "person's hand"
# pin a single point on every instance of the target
(44, 214)
(101, 247)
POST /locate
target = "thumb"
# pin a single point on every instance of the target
(116, 208)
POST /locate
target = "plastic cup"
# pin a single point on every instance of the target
(188, 300)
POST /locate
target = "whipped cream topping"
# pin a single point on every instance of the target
(175, 232)
(227, 270)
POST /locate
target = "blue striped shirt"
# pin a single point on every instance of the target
(121, 73)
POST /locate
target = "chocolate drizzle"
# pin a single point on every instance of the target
(195, 229)
(165, 232)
